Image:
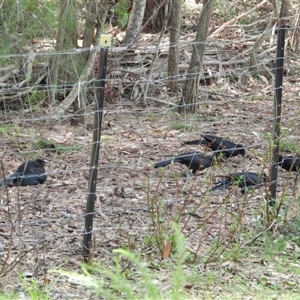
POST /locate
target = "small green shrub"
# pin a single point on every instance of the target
(121, 12)
(34, 98)
(136, 280)
(285, 145)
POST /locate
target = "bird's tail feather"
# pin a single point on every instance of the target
(222, 185)
(6, 181)
(163, 163)
(196, 142)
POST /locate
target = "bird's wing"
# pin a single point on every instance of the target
(252, 181)
(7, 181)
(246, 178)
(26, 179)
(208, 137)
(163, 163)
(296, 166)
(39, 170)
(217, 144)
(186, 158)
(213, 139)
(196, 142)
(22, 168)
(29, 165)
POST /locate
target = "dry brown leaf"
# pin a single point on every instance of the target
(167, 250)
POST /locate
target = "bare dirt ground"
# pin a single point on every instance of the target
(41, 227)
(232, 255)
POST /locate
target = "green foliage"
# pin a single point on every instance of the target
(34, 98)
(137, 280)
(121, 12)
(163, 233)
(50, 145)
(9, 295)
(285, 145)
(273, 246)
(181, 126)
(33, 289)
(225, 9)
(179, 257)
(296, 223)
(5, 128)
(44, 144)
(23, 20)
(68, 23)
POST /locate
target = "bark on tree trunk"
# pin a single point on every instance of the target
(173, 61)
(253, 54)
(83, 80)
(89, 27)
(190, 93)
(95, 18)
(135, 22)
(66, 39)
(80, 88)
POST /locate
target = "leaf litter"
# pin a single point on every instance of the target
(42, 226)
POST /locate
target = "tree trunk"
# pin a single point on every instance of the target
(84, 75)
(102, 15)
(83, 79)
(173, 61)
(190, 93)
(155, 15)
(253, 54)
(66, 39)
(294, 41)
(89, 27)
(95, 17)
(135, 22)
(67, 25)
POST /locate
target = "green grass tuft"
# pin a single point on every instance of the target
(137, 281)
(182, 126)
(288, 146)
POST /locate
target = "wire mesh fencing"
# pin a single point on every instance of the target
(42, 225)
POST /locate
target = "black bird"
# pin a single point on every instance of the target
(220, 145)
(246, 181)
(289, 163)
(29, 173)
(193, 160)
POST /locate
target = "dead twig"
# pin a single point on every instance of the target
(235, 19)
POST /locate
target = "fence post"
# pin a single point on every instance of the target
(277, 109)
(89, 215)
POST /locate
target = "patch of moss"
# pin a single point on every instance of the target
(44, 144)
(51, 146)
(181, 126)
(67, 149)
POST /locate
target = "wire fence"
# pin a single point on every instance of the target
(42, 226)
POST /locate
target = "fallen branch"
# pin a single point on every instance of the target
(82, 83)
(16, 92)
(234, 20)
(258, 235)
(161, 101)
